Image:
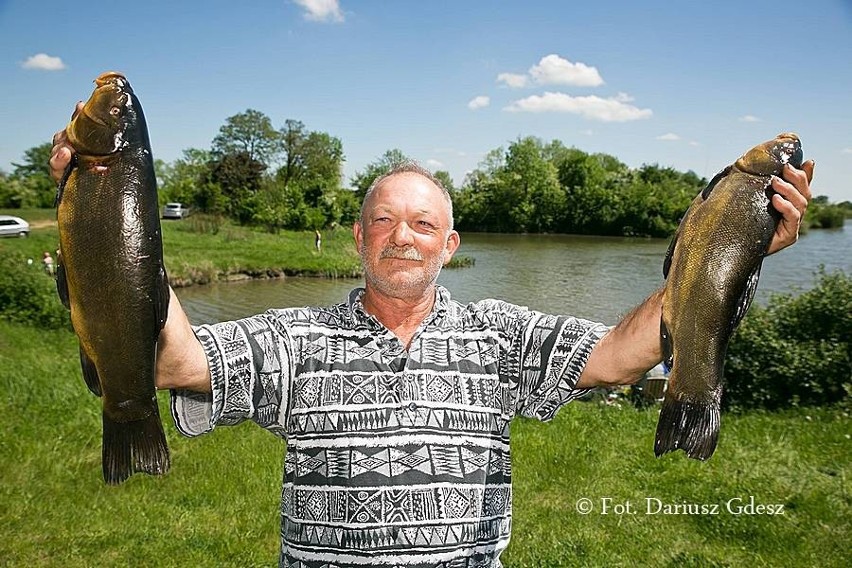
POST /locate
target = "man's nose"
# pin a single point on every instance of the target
(402, 235)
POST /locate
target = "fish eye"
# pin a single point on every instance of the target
(115, 111)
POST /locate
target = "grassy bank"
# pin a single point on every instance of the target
(219, 504)
(201, 249)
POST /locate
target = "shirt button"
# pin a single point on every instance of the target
(412, 406)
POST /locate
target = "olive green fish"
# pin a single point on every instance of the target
(110, 272)
(711, 269)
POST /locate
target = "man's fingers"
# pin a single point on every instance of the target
(808, 167)
(77, 110)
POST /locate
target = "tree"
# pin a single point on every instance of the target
(181, 181)
(362, 181)
(35, 186)
(249, 133)
(239, 177)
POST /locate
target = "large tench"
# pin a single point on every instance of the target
(711, 269)
(110, 272)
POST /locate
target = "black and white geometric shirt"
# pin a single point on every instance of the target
(394, 457)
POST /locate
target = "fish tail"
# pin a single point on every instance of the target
(136, 446)
(691, 427)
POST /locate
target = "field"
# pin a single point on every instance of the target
(218, 506)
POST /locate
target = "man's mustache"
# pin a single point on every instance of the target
(402, 253)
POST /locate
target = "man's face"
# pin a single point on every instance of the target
(404, 236)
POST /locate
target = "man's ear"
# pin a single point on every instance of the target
(358, 235)
(453, 242)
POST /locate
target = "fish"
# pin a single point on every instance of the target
(111, 275)
(712, 268)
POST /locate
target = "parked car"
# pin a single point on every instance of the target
(175, 211)
(11, 226)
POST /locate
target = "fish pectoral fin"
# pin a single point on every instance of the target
(90, 373)
(667, 263)
(666, 346)
(746, 298)
(60, 187)
(62, 282)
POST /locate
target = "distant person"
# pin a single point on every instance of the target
(47, 262)
(396, 403)
(318, 240)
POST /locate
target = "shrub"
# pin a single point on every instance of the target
(795, 351)
(28, 295)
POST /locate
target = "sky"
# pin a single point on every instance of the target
(687, 85)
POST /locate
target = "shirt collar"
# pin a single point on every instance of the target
(360, 315)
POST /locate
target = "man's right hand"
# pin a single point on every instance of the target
(60, 154)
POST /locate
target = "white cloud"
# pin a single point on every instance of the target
(669, 136)
(44, 62)
(846, 151)
(479, 102)
(694, 143)
(613, 109)
(587, 132)
(321, 10)
(749, 118)
(514, 80)
(554, 70)
(434, 164)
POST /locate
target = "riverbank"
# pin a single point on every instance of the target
(202, 249)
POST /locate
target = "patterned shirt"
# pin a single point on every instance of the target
(394, 457)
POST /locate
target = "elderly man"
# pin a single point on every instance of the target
(396, 404)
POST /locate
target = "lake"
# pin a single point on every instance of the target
(598, 278)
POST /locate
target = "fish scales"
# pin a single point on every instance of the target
(712, 270)
(111, 274)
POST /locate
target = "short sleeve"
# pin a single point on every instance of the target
(250, 375)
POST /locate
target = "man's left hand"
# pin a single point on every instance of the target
(793, 193)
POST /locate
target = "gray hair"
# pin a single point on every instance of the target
(408, 167)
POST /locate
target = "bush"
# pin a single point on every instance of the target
(795, 351)
(28, 295)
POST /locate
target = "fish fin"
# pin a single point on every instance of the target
(667, 263)
(137, 446)
(60, 187)
(62, 282)
(691, 427)
(746, 298)
(163, 297)
(90, 374)
(713, 182)
(666, 345)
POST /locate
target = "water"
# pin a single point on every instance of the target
(599, 278)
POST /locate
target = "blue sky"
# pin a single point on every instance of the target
(689, 85)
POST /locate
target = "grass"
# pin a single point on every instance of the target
(219, 503)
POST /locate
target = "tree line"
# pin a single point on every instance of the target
(292, 178)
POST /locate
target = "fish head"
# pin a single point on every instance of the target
(99, 128)
(769, 158)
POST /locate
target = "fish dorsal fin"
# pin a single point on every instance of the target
(710, 186)
(746, 298)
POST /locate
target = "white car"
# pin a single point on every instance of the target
(11, 226)
(175, 211)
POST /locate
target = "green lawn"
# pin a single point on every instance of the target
(218, 506)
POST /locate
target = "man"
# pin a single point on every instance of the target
(396, 404)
